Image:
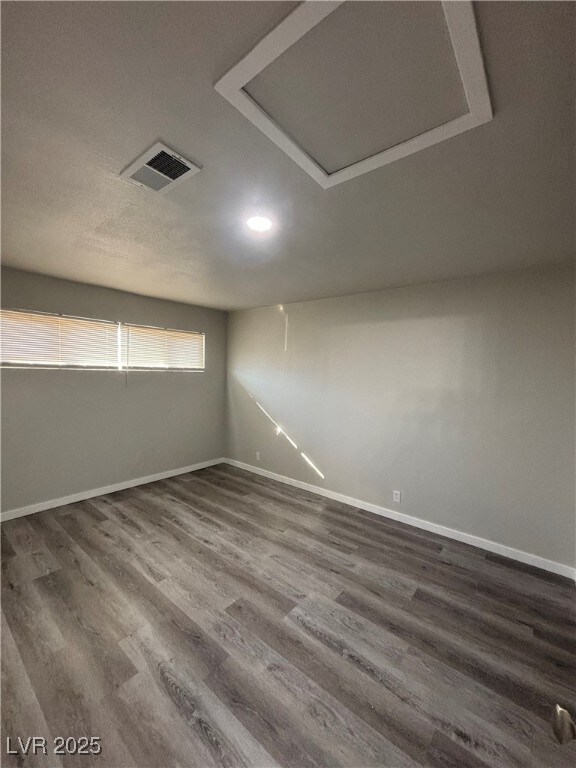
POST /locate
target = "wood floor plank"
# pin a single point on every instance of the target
(61, 680)
(262, 513)
(144, 594)
(287, 684)
(262, 715)
(517, 681)
(27, 567)
(22, 537)
(226, 567)
(385, 711)
(90, 643)
(444, 753)
(205, 730)
(358, 643)
(556, 665)
(7, 549)
(21, 712)
(222, 619)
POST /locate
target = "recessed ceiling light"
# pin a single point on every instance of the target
(259, 223)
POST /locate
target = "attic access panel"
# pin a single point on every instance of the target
(260, 88)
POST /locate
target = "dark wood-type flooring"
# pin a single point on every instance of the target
(222, 619)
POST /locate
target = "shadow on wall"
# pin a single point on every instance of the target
(429, 394)
(459, 394)
(280, 431)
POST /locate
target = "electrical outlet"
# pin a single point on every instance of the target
(257, 455)
(397, 497)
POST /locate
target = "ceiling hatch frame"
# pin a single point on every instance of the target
(466, 47)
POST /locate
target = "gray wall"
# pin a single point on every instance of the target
(460, 394)
(64, 432)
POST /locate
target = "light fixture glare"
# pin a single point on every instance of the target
(259, 223)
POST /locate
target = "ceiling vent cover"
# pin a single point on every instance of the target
(160, 169)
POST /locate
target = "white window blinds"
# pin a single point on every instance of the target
(54, 341)
(157, 348)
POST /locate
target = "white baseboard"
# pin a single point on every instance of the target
(451, 533)
(467, 538)
(10, 514)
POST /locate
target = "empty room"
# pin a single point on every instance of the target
(288, 403)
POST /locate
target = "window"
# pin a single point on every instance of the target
(53, 341)
(157, 348)
(39, 340)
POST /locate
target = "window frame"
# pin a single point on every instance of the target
(159, 369)
(123, 368)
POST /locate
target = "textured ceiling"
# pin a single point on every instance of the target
(368, 77)
(88, 86)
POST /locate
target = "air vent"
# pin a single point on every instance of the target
(160, 169)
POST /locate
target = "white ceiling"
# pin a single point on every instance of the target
(88, 86)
